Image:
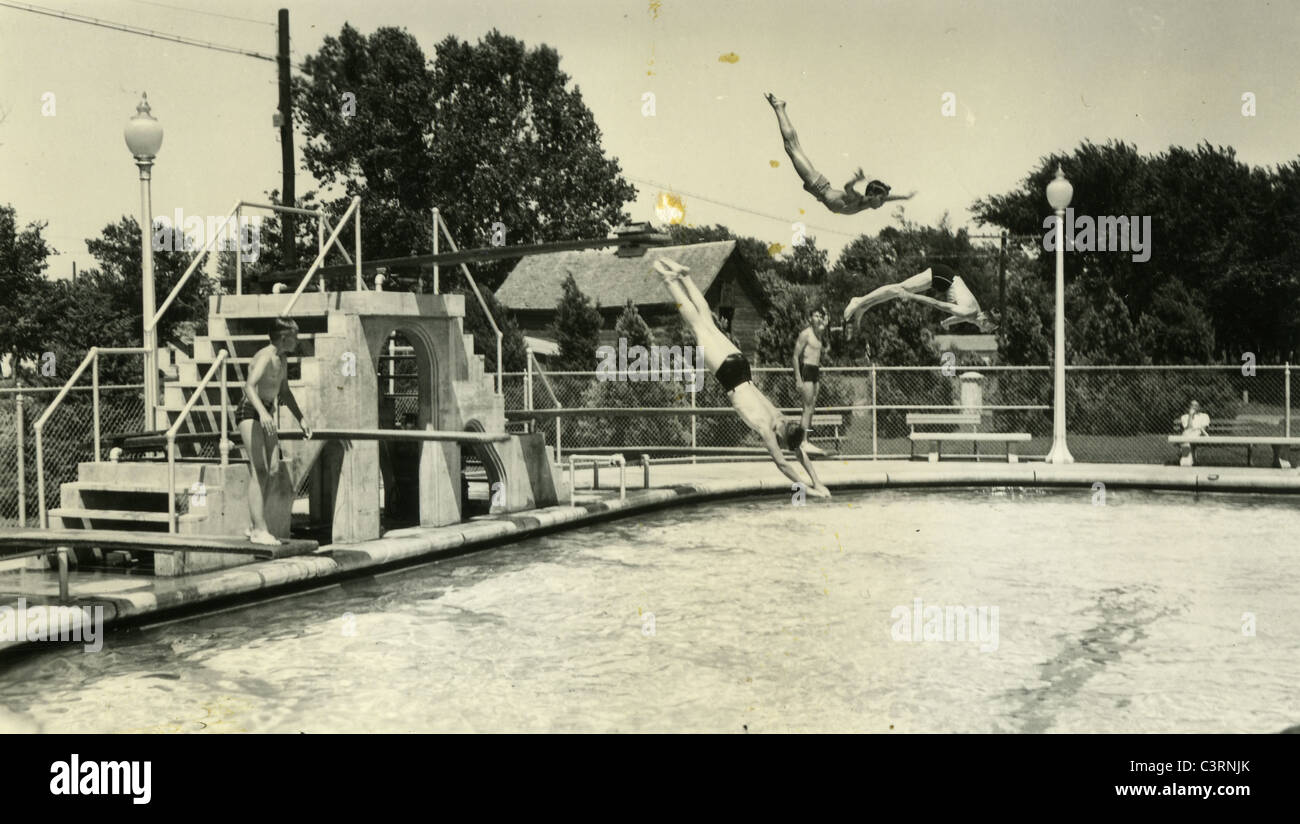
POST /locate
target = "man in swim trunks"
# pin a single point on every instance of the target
(938, 286)
(732, 371)
(268, 384)
(807, 364)
(844, 201)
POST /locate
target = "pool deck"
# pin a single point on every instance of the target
(139, 597)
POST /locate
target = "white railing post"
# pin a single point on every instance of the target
(435, 248)
(239, 249)
(22, 464)
(1288, 399)
(695, 381)
(356, 243)
(94, 400)
(224, 446)
(875, 448)
(171, 482)
(320, 232)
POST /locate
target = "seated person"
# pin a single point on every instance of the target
(1192, 422)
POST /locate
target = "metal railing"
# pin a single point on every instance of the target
(354, 212)
(533, 365)
(200, 391)
(322, 223)
(439, 224)
(91, 359)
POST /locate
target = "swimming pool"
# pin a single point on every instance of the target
(752, 615)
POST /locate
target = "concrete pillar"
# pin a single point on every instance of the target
(972, 395)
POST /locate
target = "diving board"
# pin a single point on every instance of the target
(20, 543)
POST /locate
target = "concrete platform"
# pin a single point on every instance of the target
(128, 597)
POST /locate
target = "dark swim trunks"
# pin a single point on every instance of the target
(810, 372)
(818, 187)
(245, 412)
(733, 371)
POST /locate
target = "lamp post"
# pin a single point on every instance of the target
(144, 136)
(1059, 193)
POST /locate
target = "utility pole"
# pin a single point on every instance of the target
(288, 197)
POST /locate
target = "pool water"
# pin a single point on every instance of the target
(1166, 612)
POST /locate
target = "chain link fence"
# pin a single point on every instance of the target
(69, 439)
(1120, 414)
(1114, 414)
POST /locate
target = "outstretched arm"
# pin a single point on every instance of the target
(808, 467)
(287, 398)
(907, 196)
(778, 458)
(950, 308)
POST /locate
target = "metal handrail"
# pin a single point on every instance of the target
(199, 391)
(354, 207)
(532, 360)
(92, 357)
(481, 302)
(152, 323)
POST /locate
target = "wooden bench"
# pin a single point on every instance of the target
(937, 439)
(1282, 446)
(833, 421)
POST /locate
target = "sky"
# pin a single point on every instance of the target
(864, 81)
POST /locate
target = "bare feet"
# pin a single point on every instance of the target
(264, 538)
(771, 98)
(670, 268)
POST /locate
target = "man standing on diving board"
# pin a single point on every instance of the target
(937, 286)
(731, 369)
(844, 201)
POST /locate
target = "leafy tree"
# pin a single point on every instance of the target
(23, 256)
(576, 329)
(489, 133)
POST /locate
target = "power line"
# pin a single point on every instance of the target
(209, 13)
(739, 208)
(105, 24)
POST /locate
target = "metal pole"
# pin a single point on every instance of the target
(320, 233)
(875, 449)
(149, 338)
(1288, 399)
(1060, 453)
(645, 469)
(171, 482)
(225, 418)
(557, 438)
(694, 382)
(356, 222)
(435, 248)
(22, 466)
(94, 400)
(392, 350)
(62, 553)
(239, 250)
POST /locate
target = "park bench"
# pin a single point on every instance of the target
(834, 422)
(1241, 432)
(937, 439)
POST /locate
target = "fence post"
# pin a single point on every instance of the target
(875, 451)
(694, 417)
(94, 401)
(1288, 399)
(22, 465)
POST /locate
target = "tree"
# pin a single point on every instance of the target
(490, 133)
(23, 256)
(576, 329)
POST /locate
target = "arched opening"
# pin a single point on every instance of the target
(483, 477)
(405, 373)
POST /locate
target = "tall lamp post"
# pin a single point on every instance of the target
(144, 136)
(1059, 193)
